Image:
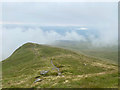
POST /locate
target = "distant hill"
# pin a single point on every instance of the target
(77, 70)
(109, 53)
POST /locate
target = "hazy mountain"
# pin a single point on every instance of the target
(106, 52)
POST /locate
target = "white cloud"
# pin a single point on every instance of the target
(14, 37)
(58, 14)
(73, 36)
(82, 28)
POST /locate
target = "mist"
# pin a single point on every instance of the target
(99, 22)
(17, 36)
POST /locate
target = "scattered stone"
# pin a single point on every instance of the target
(59, 73)
(44, 72)
(37, 80)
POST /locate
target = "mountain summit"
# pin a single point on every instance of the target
(56, 68)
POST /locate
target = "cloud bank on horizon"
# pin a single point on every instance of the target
(100, 16)
(15, 37)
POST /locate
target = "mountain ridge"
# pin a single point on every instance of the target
(26, 63)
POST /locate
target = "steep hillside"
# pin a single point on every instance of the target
(22, 68)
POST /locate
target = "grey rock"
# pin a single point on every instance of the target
(37, 80)
(44, 72)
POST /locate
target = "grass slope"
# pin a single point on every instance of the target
(78, 71)
(109, 53)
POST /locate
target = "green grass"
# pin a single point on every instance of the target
(21, 68)
(109, 53)
(110, 80)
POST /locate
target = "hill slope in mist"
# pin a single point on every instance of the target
(77, 70)
(109, 53)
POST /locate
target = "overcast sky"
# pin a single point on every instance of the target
(61, 13)
(103, 17)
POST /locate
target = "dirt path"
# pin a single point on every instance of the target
(66, 78)
(82, 76)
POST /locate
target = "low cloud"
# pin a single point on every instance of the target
(17, 36)
(83, 28)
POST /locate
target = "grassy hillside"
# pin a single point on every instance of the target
(109, 53)
(77, 70)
